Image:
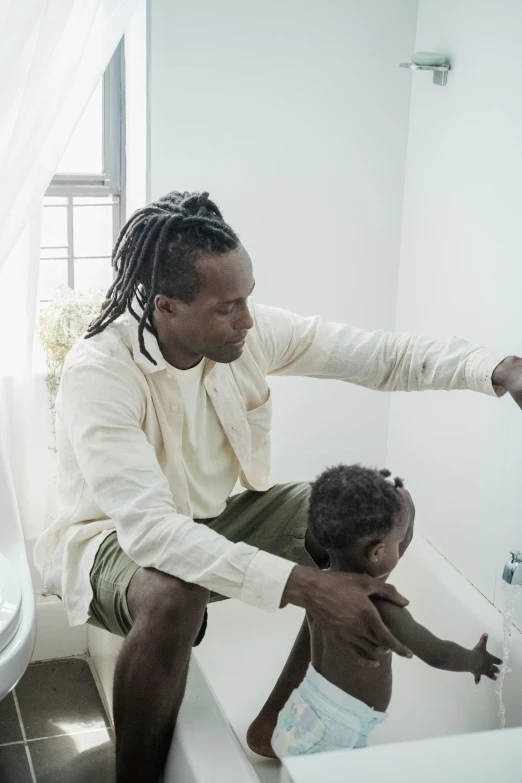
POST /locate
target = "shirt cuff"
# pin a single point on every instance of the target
(479, 370)
(265, 581)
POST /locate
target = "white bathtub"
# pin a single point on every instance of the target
(244, 650)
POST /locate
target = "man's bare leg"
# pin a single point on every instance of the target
(151, 671)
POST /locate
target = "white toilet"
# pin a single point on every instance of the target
(17, 604)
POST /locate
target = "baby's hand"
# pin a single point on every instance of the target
(486, 662)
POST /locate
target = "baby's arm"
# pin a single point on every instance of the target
(435, 651)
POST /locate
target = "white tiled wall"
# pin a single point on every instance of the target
(460, 273)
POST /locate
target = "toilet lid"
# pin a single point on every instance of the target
(10, 601)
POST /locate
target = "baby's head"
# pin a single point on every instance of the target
(362, 518)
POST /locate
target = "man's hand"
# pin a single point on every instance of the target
(509, 375)
(340, 603)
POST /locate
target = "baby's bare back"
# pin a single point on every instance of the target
(372, 685)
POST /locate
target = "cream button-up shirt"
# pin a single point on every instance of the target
(119, 426)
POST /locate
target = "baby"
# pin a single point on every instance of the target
(365, 522)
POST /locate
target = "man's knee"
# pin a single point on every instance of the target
(166, 602)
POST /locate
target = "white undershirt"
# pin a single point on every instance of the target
(210, 465)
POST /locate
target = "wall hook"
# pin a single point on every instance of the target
(440, 72)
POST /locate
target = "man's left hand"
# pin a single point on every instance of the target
(509, 375)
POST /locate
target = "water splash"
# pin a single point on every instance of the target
(511, 593)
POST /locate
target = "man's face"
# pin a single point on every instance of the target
(216, 322)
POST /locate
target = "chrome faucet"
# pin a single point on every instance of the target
(513, 569)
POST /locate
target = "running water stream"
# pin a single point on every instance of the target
(511, 593)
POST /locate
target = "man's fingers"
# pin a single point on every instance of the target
(382, 651)
(496, 660)
(374, 649)
(366, 649)
(389, 593)
(369, 638)
(367, 660)
(361, 657)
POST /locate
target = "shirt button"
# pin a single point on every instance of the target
(173, 407)
(169, 376)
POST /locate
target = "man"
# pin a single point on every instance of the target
(161, 408)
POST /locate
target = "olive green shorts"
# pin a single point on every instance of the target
(275, 521)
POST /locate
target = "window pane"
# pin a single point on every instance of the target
(93, 228)
(93, 219)
(92, 273)
(54, 226)
(53, 273)
(84, 152)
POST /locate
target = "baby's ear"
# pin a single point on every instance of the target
(374, 552)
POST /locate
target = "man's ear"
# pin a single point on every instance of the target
(374, 552)
(166, 306)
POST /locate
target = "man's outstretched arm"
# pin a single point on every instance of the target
(379, 360)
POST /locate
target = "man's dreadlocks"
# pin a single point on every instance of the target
(156, 253)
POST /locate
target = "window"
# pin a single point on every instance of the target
(84, 204)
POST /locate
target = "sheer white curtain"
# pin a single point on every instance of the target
(52, 55)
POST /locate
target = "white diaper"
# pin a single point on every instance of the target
(319, 716)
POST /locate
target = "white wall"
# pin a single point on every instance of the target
(136, 110)
(461, 274)
(294, 116)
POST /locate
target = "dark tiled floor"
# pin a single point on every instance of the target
(64, 734)
(10, 730)
(14, 764)
(50, 694)
(84, 757)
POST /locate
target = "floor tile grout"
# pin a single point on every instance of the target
(19, 714)
(30, 762)
(70, 734)
(27, 751)
(53, 736)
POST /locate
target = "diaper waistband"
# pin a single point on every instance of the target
(317, 685)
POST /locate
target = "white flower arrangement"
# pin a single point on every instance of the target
(62, 324)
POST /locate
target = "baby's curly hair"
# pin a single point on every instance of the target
(349, 502)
